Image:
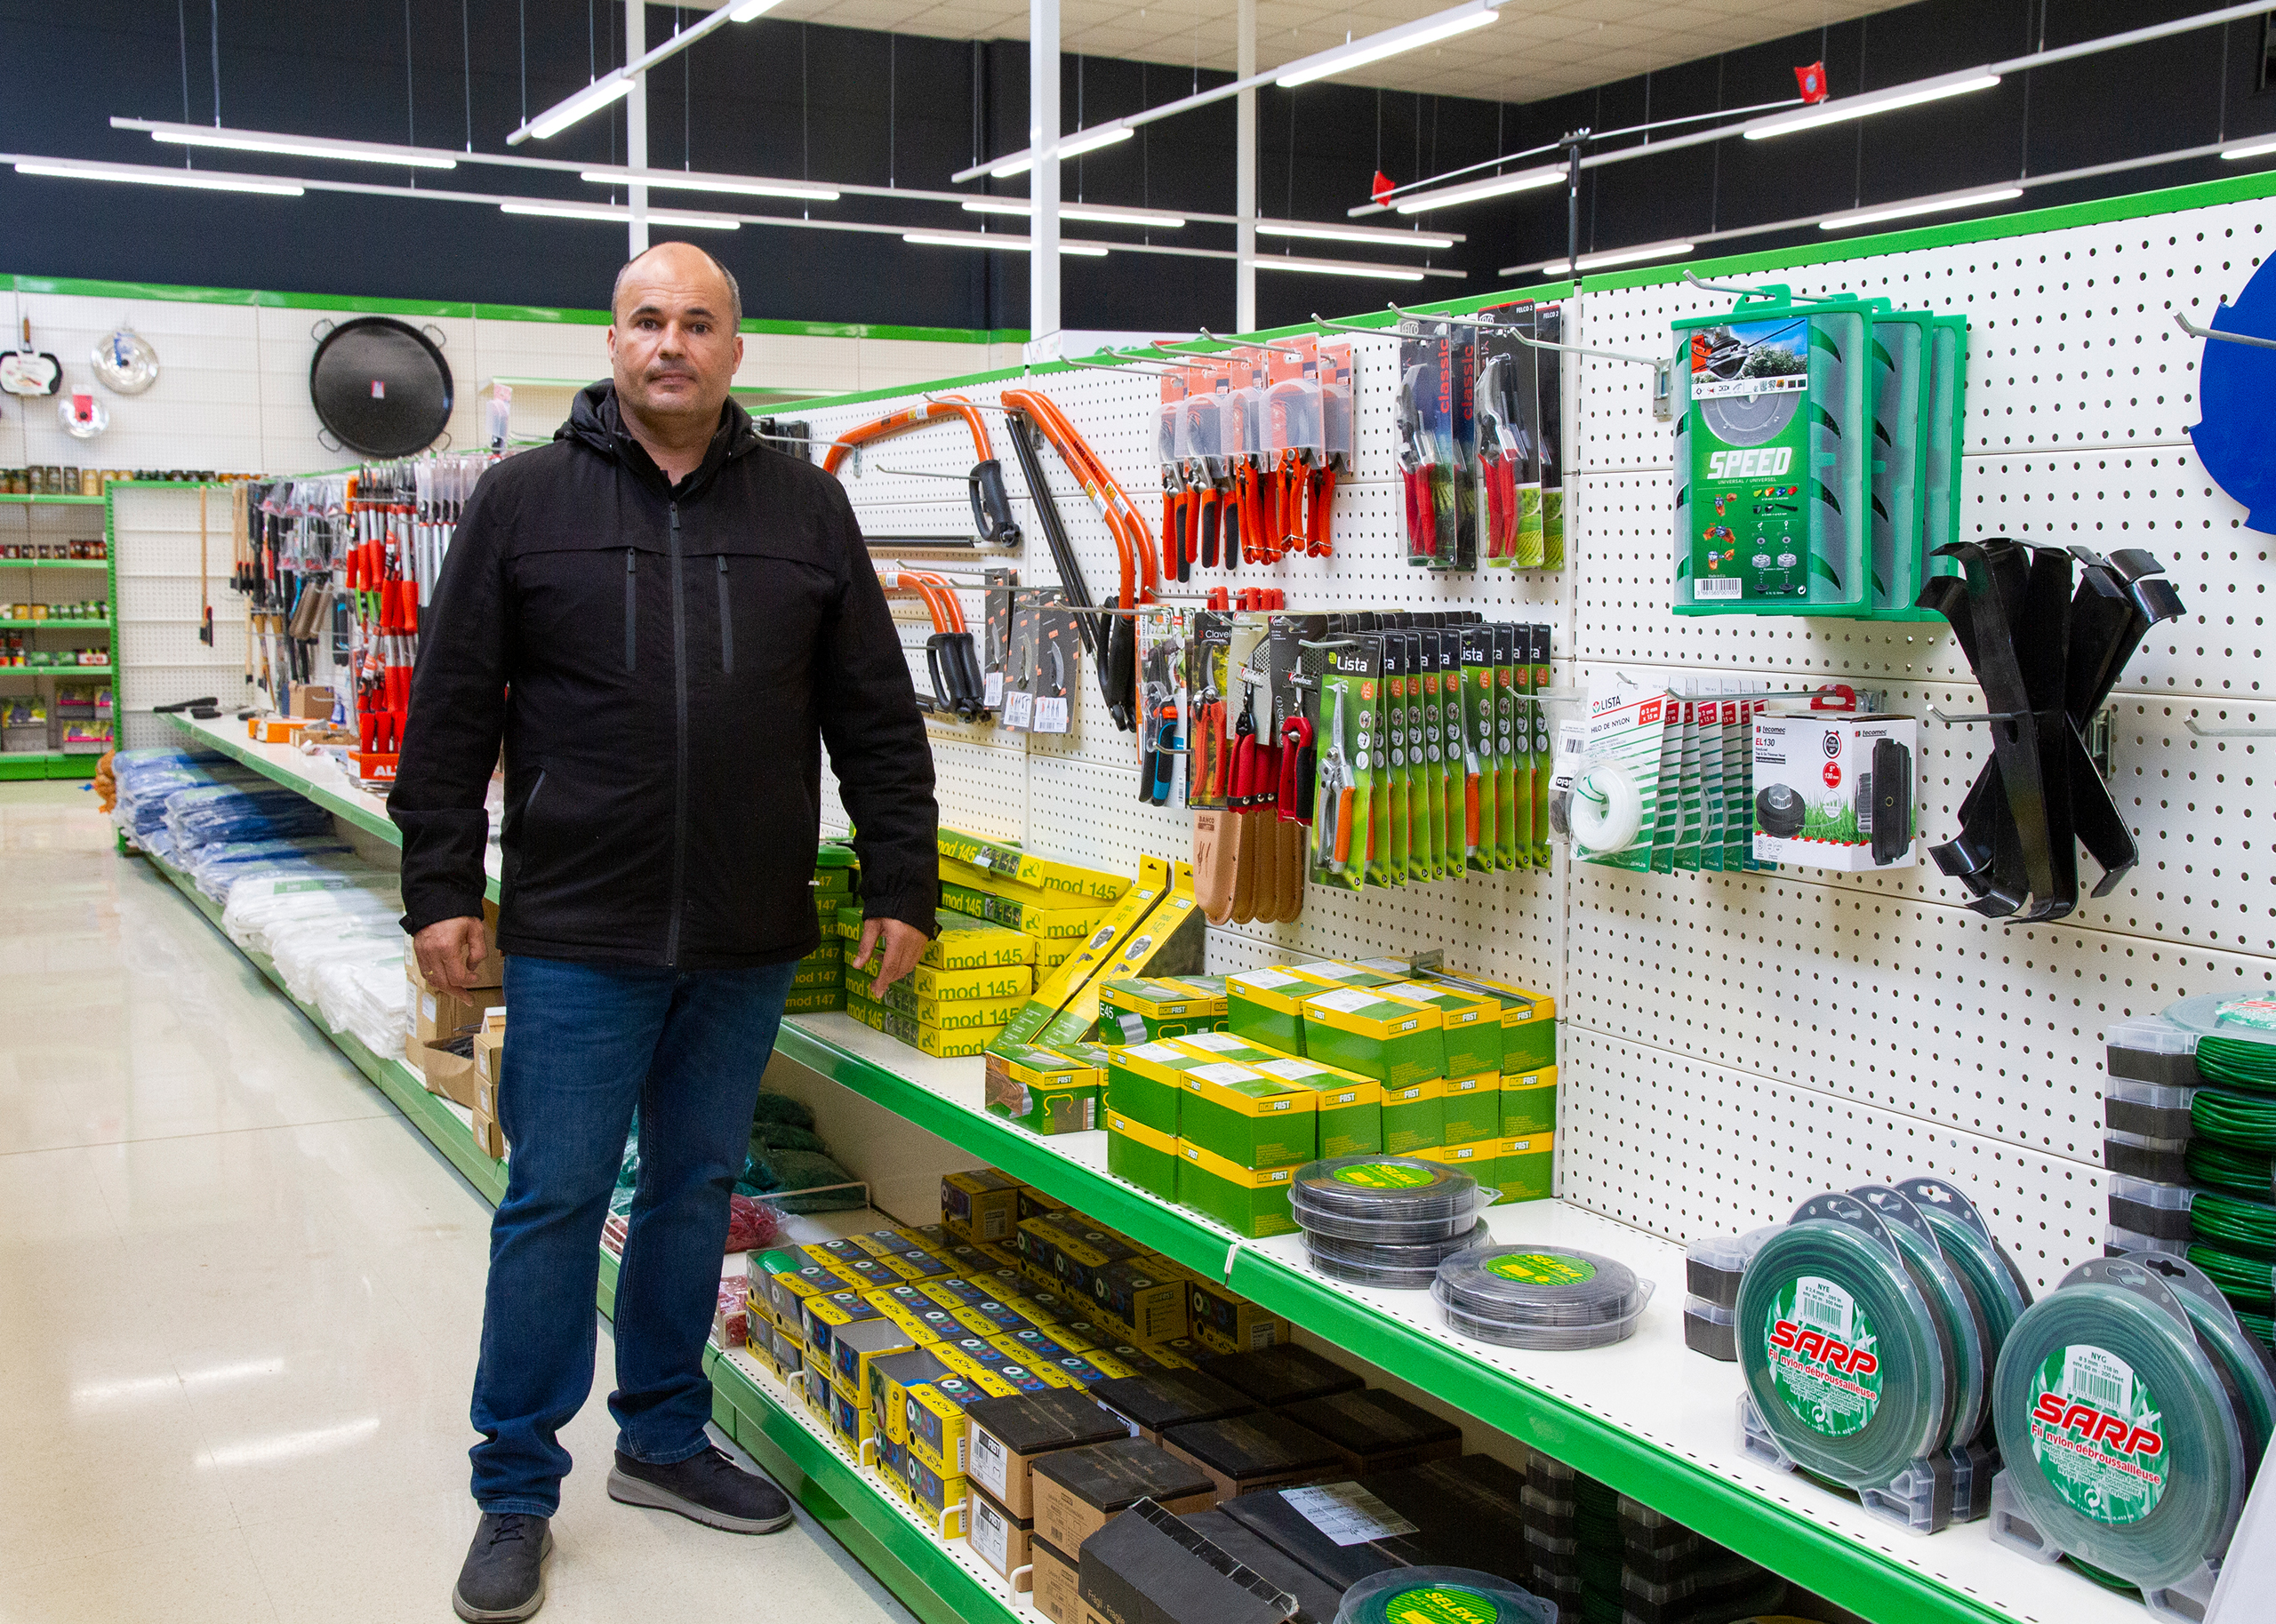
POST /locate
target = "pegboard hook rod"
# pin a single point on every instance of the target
(1322, 321)
(1207, 337)
(2228, 733)
(1122, 364)
(977, 406)
(920, 474)
(1747, 292)
(1450, 321)
(2195, 331)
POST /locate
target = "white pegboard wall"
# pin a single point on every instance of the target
(1735, 1042)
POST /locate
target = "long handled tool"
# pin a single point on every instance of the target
(204, 595)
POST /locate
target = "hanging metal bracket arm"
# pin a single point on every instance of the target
(2195, 331)
(2227, 733)
(1322, 321)
(1663, 368)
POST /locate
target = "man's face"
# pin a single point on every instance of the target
(671, 344)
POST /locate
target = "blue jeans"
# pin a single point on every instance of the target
(584, 1046)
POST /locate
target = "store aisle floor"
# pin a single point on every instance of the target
(240, 1300)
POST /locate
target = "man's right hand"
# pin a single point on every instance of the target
(451, 952)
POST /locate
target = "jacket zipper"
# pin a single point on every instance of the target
(631, 607)
(726, 621)
(679, 778)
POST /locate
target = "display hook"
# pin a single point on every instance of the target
(2195, 331)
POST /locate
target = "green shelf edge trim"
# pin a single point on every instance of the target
(74, 672)
(24, 766)
(59, 501)
(55, 564)
(456, 310)
(53, 625)
(918, 1572)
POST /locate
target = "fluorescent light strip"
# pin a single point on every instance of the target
(666, 180)
(1355, 234)
(1336, 267)
(2258, 150)
(1074, 146)
(1620, 256)
(1390, 43)
(1102, 215)
(311, 147)
(1499, 185)
(1862, 107)
(982, 239)
(748, 9)
(592, 98)
(606, 212)
(1931, 205)
(205, 180)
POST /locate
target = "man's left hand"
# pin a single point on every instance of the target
(903, 945)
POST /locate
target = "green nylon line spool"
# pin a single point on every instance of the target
(2250, 1383)
(2241, 1279)
(2220, 1167)
(1440, 1596)
(1820, 1292)
(2120, 1441)
(1981, 1268)
(2238, 1065)
(2235, 1119)
(2261, 1326)
(2235, 1224)
(1960, 1326)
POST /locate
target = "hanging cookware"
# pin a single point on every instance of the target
(124, 362)
(29, 371)
(379, 386)
(82, 416)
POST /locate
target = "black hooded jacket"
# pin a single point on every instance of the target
(663, 665)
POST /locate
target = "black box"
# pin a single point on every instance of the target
(1316, 1600)
(1375, 1431)
(1282, 1374)
(1469, 1511)
(1261, 1450)
(1154, 1403)
(1269, 1515)
(1151, 1567)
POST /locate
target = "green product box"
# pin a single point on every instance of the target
(1138, 1155)
(1350, 972)
(1529, 1103)
(1350, 1106)
(1267, 1007)
(1472, 1109)
(1529, 1046)
(1248, 1117)
(1393, 1040)
(814, 1001)
(1145, 1083)
(1525, 1171)
(1144, 1008)
(1471, 1024)
(811, 975)
(1224, 1046)
(1481, 1159)
(1251, 1202)
(1415, 1117)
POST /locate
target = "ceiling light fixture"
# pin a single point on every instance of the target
(1496, 185)
(1620, 256)
(202, 180)
(2258, 150)
(602, 92)
(1336, 267)
(1390, 42)
(665, 180)
(984, 239)
(301, 146)
(1353, 234)
(1925, 205)
(1101, 213)
(610, 212)
(748, 9)
(1877, 101)
(1072, 147)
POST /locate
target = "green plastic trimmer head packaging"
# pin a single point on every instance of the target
(1774, 458)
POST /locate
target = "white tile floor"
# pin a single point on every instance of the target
(240, 1299)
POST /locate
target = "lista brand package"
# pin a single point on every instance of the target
(1152, 1567)
(1836, 792)
(1078, 1491)
(1010, 1434)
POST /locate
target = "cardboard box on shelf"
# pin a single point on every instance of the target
(437, 1015)
(1261, 1450)
(1078, 1491)
(1010, 1434)
(1055, 1579)
(1001, 1540)
(489, 972)
(1153, 1567)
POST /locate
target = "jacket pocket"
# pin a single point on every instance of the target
(631, 608)
(726, 621)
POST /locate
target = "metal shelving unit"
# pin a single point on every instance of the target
(59, 763)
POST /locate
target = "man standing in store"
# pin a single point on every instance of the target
(664, 621)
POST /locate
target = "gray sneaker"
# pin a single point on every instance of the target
(503, 1581)
(708, 1488)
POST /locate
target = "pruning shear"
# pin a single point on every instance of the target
(1500, 450)
(1161, 722)
(1211, 760)
(1414, 463)
(1334, 806)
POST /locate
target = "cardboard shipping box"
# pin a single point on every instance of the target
(1153, 1567)
(1010, 1434)
(1078, 1491)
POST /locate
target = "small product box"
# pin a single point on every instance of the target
(1527, 1168)
(1151, 1404)
(1145, 1083)
(1376, 1431)
(1415, 1117)
(1472, 1108)
(1377, 1035)
(1224, 1322)
(1145, 1008)
(1350, 1106)
(1249, 1201)
(855, 1349)
(822, 1318)
(1141, 1155)
(891, 1378)
(1471, 1024)
(1000, 1540)
(1078, 1491)
(1056, 1581)
(1481, 1159)
(1262, 1449)
(935, 1420)
(1041, 1090)
(939, 1498)
(1836, 792)
(1010, 1434)
(1248, 1117)
(979, 1205)
(1141, 1300)
(1529, 1103)
(1266, 1007)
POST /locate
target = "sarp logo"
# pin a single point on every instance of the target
(1829, 1351)
(2096, 1426)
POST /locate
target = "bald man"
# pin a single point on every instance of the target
(664, 621)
